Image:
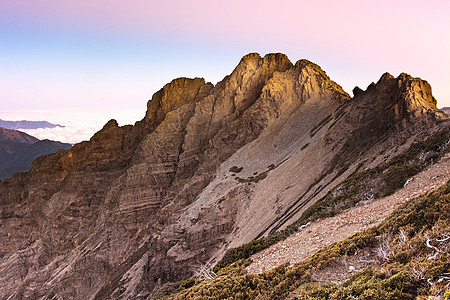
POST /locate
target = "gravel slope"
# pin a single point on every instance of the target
(324, 232)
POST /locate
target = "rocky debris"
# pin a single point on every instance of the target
(138, 206)
(324, 232)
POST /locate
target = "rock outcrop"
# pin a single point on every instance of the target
(208, 168)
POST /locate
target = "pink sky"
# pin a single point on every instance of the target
(116, 54)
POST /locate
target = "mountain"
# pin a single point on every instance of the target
(18, 150)
(446, 110)
(27, 124)
(208, 169)
(16, 136)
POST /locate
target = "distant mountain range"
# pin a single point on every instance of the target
(16, 136)
(18, 150)
(27, 124)
(446, 110)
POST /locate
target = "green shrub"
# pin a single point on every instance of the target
(235, 169)
(352, 190)
(425, 217)
(415, 219)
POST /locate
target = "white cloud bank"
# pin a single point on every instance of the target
(79, 125)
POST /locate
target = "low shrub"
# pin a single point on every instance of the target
(413, 269)
(235, 169)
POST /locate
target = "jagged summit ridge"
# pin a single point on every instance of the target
(242, 86)
(138, 206)
(408, 95)
(255, 60)
(173, 95)
(255, 71)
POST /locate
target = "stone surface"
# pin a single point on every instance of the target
(138, 206)
(322, 233)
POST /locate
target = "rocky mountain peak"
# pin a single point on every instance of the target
(276, 60)
(208, 168)
(270, 61)
(385, 76)
(311, 71)
(418, 90)
(173, 95)
(407, 95)
(263, 68)
(232, 96)
(304, 63)
(110, 124)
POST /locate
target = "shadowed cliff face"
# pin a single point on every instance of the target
(138, 206)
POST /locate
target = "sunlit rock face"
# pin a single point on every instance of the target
(138, 206)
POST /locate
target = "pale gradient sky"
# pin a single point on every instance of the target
(113, 55)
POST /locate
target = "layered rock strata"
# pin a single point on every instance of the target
(138, 206)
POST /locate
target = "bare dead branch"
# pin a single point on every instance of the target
(204, 272)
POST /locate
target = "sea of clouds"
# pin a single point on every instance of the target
(78, 125)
